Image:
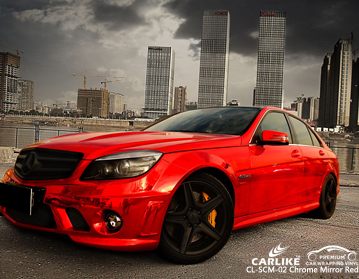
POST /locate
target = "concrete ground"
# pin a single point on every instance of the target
(34, 254)
(349, 180)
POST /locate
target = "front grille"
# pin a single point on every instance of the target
(41, 216)
(42, 164)
(77, 220)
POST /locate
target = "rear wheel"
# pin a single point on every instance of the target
(198, 221)
(328, 198)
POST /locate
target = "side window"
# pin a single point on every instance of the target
(274, 121)
(301, 131)
(315, 140)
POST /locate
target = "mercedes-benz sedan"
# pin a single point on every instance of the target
(180, 186)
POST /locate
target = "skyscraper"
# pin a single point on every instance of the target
(335, 93)
(159, 81)
(9, 66)
(180, 98)
(25, 95)
(324, 91)
(213, 72)
(354, 105)
(271, 42)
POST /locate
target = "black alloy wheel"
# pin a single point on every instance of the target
(198, 222)
(328, 198)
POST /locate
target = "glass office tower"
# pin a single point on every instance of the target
(159, 82)
(271, 42)
(213, 72)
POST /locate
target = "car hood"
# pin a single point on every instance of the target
(94, 145)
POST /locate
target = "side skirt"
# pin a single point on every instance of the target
(272, 215)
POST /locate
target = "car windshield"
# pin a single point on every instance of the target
(225, 120)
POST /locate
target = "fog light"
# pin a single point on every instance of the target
(113, 222)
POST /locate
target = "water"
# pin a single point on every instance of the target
(348, 155)
(19, 136)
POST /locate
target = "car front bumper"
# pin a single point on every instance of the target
(80, 211)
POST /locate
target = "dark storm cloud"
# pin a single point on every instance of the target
(313, 27)
(9, 6)
(117, 17)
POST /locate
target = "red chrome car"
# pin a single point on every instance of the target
(180, 185)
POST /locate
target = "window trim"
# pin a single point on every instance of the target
(264, 116)
(309, 132)
(291, 129)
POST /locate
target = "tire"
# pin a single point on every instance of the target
(328, 198)
(198, 222)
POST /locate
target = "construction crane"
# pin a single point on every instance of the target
(106, 81)
(17, 49)
(104, 92)
(85, 75)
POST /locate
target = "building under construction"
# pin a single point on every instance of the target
(9, 66)
(93, 102)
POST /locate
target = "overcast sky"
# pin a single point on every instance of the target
(110, 37)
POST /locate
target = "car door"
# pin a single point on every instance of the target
(277, 170)
(314, 157)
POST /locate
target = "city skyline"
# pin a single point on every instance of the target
(110, 38)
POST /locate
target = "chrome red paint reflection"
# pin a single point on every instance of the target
(266, 169)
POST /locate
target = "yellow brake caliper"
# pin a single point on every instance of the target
(211, 216)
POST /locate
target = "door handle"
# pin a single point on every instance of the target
(321, 153)
(295, 153)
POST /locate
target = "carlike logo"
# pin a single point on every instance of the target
(274, 260)
(277, 251)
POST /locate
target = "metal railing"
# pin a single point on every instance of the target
(20, 137)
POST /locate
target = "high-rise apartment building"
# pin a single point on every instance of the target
(9, 66)
(159, 81)
(93, 102)
(271, 42)
(214, 60)
(336, 82)
(25, 95)
(180, 98)
(354, 105)
(116, 102)
(324, 90)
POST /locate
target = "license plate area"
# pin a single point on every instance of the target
(19, 197)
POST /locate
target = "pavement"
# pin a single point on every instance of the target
(350, 180)
(35, 254)
(346, 180)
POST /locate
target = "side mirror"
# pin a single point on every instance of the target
(274, 138)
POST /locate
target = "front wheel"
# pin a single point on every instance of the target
(328, 198)
(198, 222)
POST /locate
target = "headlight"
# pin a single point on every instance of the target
(122, 165)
